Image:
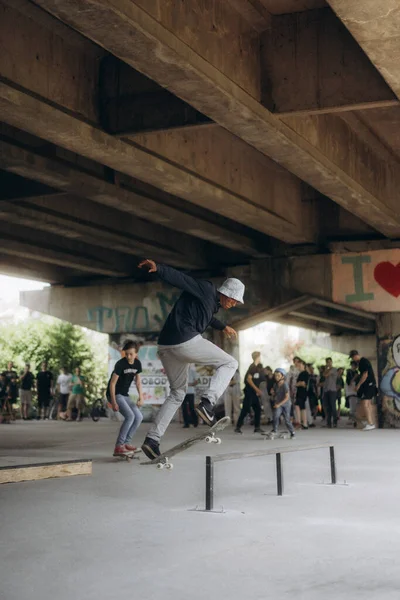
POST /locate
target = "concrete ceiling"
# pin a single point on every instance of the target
(227, 132)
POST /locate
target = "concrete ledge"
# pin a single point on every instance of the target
(46, 470)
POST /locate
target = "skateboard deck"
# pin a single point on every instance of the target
(207, 436)
(127, 457)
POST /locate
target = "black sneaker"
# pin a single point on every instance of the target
(206, 412)
(238, 430)
(151, 448)
(259, 430)
(292, 435)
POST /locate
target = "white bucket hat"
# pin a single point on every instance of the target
(233, 288)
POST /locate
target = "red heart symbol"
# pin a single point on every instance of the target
(388, 277)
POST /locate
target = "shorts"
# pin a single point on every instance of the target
(25, 397)
(43, 400)
(75, 401)
(301, 403)
(367, 393)
(63, 401)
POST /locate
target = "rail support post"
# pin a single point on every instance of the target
(279, 474)
(333, 464)
(209, 483)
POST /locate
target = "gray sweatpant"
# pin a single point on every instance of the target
(176, 361)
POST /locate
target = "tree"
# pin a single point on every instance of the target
(58, 343)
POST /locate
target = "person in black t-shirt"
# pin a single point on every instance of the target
(365, 387)
(25, 393)
(301, 394)
(252, 393)
(11, 373)
(126, 371)
(44, 382)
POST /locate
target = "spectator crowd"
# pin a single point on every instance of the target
(63, 398)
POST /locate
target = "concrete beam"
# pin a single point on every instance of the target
(31, 269)
(253, 12)
(376, 27)
(56, 257)
(30, 114)
(225, 88)
(65, 177)
(311, 64)
(94, 225)
(217, 155)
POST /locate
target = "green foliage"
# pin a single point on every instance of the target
(315, 354)
(58, 343)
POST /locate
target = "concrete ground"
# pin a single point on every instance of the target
(126, 531)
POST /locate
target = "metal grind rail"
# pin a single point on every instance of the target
(211, 460)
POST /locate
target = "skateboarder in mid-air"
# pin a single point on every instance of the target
(181, 344)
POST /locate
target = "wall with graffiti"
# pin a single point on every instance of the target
(389, 368)
(368, 280)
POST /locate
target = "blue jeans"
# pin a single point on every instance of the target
(133, 417)
(285, 411)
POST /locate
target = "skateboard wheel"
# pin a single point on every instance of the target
(218, 440)
(169, 466)
(160, 466)
(208, 439)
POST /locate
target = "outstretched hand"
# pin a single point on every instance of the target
(148, 264)
(230, 332)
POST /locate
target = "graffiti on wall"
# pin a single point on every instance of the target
(140, 318)
(389, 359)
(368, 280)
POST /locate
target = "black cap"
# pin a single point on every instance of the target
(353, 353)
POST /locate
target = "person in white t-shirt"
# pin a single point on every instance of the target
(64, 389)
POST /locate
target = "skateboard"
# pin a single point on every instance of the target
(208, 436)
(128, 456)
(283, 435)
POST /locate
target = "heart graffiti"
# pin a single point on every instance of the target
(387, 275)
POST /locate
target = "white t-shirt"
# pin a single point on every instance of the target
(64, 381)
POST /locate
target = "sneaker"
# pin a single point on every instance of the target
(368, 427)
(238, 430)
(186, 427)
(292, 435)
(130, 448)
(206, 412)
(304, 426)
(151, 448)
(259, 430)
(120, 450)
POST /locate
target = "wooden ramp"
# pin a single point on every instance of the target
(48, 470)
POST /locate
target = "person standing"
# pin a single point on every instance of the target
(64, 388)
(181, 344)
(281, 402)
(188, 411)
(301, 394)
(292, 381)
(330, 393)
(126, 370)
(252, 393)
(77, 396)
(365, 387)
(232, 398)
(312, 393)
(27, 381)
(351, 393)
(340, 387)
(44, 386)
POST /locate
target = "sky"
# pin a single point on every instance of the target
(11, 286)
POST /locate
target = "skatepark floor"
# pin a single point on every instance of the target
(126, 531)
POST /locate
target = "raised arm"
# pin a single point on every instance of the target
(196, 287)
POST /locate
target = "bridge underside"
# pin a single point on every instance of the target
(204, 134)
